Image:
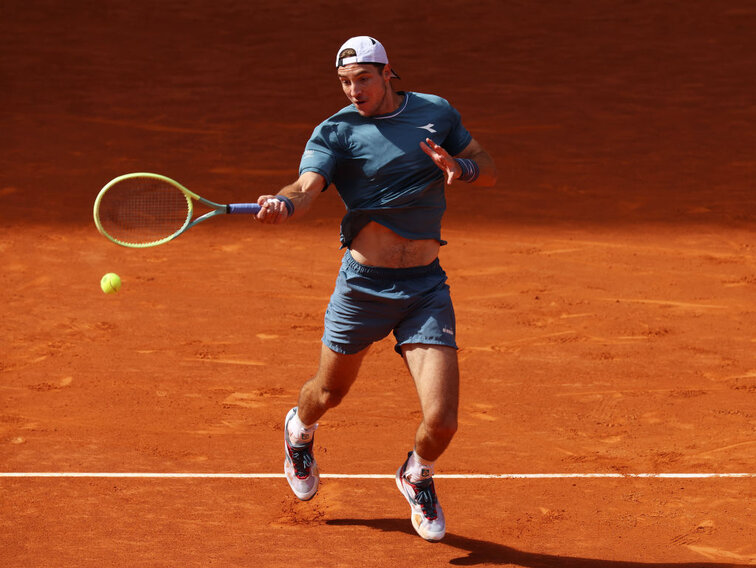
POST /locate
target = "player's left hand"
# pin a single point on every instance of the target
(445, 162)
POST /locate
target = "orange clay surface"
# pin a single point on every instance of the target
(605, 289)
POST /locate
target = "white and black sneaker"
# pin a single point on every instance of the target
(299, 466)
(427, 516)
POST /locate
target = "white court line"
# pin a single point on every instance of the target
(147, 475)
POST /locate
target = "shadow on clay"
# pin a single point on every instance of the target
(484, 552)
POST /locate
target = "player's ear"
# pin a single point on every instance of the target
(386, 72)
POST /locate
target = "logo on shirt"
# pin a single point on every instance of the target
(428, 127)
(308, 153)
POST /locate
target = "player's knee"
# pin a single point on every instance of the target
(331, 397)
(441, 427)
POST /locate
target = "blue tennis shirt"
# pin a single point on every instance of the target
(379, 169)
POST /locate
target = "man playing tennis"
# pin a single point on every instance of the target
(389, 154)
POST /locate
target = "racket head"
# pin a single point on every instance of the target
(143, 209)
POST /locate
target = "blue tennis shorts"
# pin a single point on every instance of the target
(369, 302)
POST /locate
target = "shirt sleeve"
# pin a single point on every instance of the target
(320, 155)
(458, 137)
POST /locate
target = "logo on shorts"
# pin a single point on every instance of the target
(447, 330)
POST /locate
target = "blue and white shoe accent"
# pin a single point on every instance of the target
(299, 466)
(427, 516)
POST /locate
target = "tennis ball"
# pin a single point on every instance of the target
(110, 283)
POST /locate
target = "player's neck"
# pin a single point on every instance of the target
(392, 102)
(398, 98)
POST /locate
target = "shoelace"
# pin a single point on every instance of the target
(302, 460)
(425, 496)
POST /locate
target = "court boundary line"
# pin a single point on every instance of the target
(178, 475)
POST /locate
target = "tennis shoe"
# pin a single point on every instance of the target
(299, 466)
(427, 516)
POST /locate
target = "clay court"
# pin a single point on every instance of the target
(605, 289)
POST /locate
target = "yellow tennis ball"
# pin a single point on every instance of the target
(110, 283)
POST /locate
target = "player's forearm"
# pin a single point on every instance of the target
(488, 173)
(482, 172)
(303, 192)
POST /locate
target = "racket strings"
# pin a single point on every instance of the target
(142, 210)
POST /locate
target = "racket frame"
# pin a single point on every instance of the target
(191, 197)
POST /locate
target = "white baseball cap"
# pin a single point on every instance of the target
(363, 49)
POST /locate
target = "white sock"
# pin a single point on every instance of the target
(418, 469)
(300, 433)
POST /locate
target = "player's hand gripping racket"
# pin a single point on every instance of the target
(145, 210)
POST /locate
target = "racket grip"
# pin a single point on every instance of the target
(243, 208)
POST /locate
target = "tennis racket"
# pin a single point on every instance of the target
(145, 210)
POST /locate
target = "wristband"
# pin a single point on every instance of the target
(470, 170)
(286, 201)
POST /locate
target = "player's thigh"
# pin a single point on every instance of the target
(435, 371)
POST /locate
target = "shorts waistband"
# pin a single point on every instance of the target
(384, 273)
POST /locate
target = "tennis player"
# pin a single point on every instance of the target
(389, 154)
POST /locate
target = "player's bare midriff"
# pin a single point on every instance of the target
(376, 245)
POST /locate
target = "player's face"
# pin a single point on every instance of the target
(367, 88)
